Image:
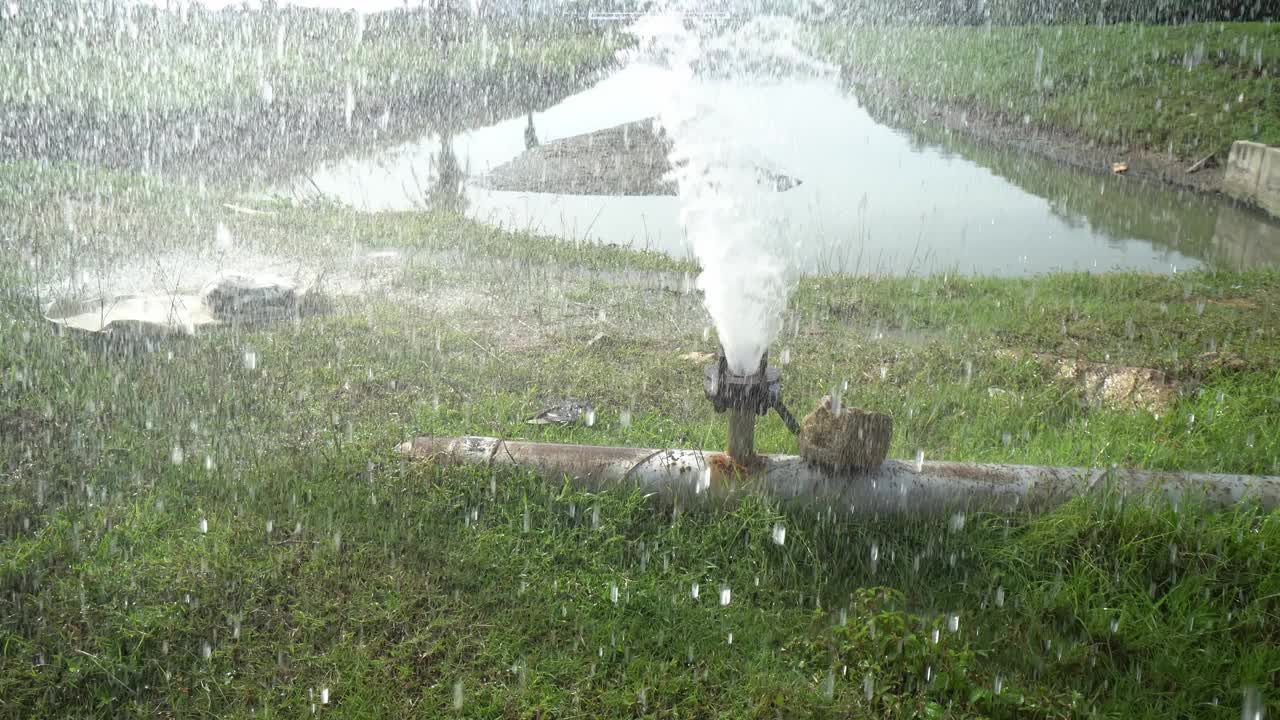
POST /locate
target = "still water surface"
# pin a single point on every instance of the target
(874, 199)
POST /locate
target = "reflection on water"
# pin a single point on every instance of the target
(1123, 209)
(446, 191)
(530, 134)
(874, 199)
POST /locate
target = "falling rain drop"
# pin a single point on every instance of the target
(868, 687)
(176, 455)
(250, 359)
(726, 595)
(457, 695)
(624, 418)
(694, 591)
(222, 240)
(779, 534)
(613, 593)
(1253, 708)
(280, 31)
(919, 460)
(350, 105)
(1000, 596)
(204, 526)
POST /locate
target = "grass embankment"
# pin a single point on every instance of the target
(237, 96)
(1185, 91)
(187, 533)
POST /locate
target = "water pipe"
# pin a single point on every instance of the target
(895, 487)
(892, 487)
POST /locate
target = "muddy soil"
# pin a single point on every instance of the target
(896, 106)
(627, 159)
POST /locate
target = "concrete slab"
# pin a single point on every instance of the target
(1269, 182)
(1244, 166)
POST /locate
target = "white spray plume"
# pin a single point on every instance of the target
(729, 208)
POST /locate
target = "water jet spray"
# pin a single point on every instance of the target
(737, 234)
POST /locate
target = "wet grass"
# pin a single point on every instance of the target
(249, 97)
(1181, 90)
(186, 534)
(93, 65)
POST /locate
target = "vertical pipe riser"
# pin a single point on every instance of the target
(742, 436)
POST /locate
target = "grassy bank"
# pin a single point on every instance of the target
(1184, 91)
(189, 533)
(236, 96)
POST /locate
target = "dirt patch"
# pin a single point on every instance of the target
(22, 426)
(1222, 361)
(628, 159)
(1118, 386)
(894, 104)
(697, 357)
(1238, 303)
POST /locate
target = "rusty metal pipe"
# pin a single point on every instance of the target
(897, 487)
(742, 435)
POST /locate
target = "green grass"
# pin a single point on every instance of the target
(395, 584)
(1182, 90)
(250, 98)
(308, 58)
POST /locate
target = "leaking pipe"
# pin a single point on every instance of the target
(928, 487)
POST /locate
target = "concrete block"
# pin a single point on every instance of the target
(1244, 166)
(1269, 182)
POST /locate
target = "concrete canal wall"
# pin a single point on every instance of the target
(1253, 175)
